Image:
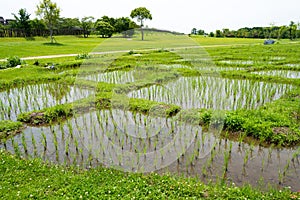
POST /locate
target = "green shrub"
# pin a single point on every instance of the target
(13, 61)
(83, 56)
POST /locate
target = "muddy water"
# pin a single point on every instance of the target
(36, 97)
(213, 93)
(137, 143)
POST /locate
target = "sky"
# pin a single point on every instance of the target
(176, 15)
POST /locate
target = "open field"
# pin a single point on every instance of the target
(224, 112)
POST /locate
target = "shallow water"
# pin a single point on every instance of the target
(117, 77)
(213, 93)
(280, 73)
(137, 143)
(36, 97)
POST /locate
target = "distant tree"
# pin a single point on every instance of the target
(141, 14)
(104, 29)
(122, 25)
(211, 34)
(292, 29)
(38, 27)
(50, 13)
(68, 23)
(23, 21)
(194, 31)
(86, 25)
(200, 32)
(219, 33)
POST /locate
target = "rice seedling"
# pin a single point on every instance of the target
(213, 93)
(36, 97)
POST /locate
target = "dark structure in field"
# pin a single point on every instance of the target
(266, 42)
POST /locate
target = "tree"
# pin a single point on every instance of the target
(219, 33)
(104, 29)
(292, 29)
(194, 31)
(200, 32)
(86, 25)
(68, 23)
(38, 27)
(50, 13)
(211, 34)
(122, 25)
(23, 21)
(141, 14)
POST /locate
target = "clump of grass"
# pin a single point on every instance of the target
(82, 56)
(9, 128)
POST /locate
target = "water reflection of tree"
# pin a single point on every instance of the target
(58, 91)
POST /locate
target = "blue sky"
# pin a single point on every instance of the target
(177, 15)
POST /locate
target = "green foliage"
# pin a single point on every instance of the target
(13, 61)
(9, 128)
(104, 29)
(141, 14)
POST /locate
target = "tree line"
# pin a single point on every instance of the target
(291, 31)
(50, 23)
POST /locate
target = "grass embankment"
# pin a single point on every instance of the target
(32, 179)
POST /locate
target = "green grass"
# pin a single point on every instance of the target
(206, 41)
(39, 46)
(32, 179)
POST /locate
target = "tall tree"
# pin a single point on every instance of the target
(141, 14)
(23, 21)
(86, 25)
(50, 13)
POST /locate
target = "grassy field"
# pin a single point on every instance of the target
(255, 86)
(39, 46)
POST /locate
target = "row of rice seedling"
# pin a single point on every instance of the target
(35, 97)
(131, 141)
(139, 143)
(213, 93)
(280, 73)
(117, 77)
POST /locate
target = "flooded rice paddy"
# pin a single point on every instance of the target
(137, 143)
(213, 93)
(36, 97)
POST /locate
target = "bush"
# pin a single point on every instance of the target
(13, 61)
